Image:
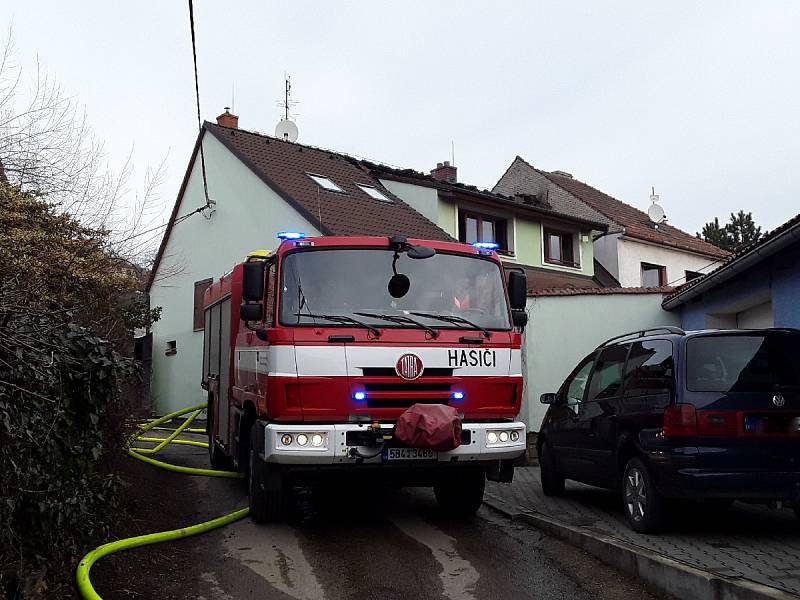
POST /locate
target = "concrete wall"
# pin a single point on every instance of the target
(564, 329)
(248, 215)
(746, 299)
(633, 253)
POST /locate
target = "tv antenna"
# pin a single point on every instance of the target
(655, 212)
(286, 129)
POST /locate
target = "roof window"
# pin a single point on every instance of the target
(373, 192)
(325, 183)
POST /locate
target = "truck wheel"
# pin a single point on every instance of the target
(215, 455)
(644, 507)
(268, 491)
(460, 492)
(552, 481)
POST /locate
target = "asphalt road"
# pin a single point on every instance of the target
(364, 543)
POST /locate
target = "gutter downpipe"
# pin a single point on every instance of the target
(735, 267)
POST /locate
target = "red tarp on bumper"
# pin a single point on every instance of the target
(433, 426)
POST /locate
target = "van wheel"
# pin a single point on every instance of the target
(644, 507)
(460, 491)
(215, 455)
(268, 491)
(552, 481)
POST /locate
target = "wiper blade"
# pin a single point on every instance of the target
(455, 321)
(343, 319)
(400, 319)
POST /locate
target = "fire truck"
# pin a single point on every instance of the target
(314, 350)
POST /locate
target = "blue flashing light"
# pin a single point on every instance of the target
(290, 235)
(457, 395)
(360, 396)
(486, 245)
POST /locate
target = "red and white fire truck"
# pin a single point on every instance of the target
(314, 350)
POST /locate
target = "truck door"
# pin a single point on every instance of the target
(224, 372)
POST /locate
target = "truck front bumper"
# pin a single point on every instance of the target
(337, 447)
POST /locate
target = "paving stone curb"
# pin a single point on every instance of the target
(656, 570)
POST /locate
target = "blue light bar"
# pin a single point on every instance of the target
(359, 396)
(457, 395)
(290, 235)
(485, 245)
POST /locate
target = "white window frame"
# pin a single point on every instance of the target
(326, 183)
(373, 192)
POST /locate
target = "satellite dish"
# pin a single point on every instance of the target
(286, 130)
(656, 214)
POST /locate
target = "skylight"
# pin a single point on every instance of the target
(374, 192)
(325, 183)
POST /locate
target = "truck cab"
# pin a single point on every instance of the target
(314, 350)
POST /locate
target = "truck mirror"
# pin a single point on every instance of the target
(253, 281)
(517, 290)
(420, 252)
(519, 318)
(251, 312)
(547, 398)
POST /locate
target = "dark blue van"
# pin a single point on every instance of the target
(666, 414)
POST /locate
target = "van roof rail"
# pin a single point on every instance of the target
(642, 333)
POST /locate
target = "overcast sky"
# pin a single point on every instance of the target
(699, 99)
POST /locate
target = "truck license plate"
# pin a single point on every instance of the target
(410, 454)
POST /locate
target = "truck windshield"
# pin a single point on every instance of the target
(744, 363)
(353, 283)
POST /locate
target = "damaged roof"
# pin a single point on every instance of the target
(626, 219)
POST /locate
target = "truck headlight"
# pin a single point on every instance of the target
(317, 440)
(286, 439)
(491, 437)
(302, 439)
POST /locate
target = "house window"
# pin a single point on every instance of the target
(200, 288)
(475, 227)
(692, 275)
(325, 183)
(373, 192)
(559, 248)
(653, 275)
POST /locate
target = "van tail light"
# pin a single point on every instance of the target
(717, 422)
(680, 420)
(683, 420)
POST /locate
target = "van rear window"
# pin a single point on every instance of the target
(743, 363)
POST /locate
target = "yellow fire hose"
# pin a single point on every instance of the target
(82, 573)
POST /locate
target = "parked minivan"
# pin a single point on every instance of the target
(667, 414)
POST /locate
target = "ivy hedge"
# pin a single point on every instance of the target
(67, 309)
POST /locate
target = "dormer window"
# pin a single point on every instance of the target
(325, 183)
(476, 227)
(559, 248)
(373, 192)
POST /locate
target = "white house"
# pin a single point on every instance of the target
(259, 186)
(634, 250)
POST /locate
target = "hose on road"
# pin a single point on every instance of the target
(85, 587)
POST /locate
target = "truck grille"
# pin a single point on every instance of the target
(394, 402)
(390, 372)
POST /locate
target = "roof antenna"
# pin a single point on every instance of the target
(286, 129)
(655, 212)
(233, 97)
(452, 153)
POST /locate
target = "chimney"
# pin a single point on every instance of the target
(444, 172)
(228, 119)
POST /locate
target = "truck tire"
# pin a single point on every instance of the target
(216, 456)
(460, 491)
(268, 491)
(644, 507)
(552, 480)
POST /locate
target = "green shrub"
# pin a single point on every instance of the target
(59, 388)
